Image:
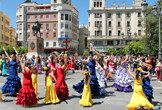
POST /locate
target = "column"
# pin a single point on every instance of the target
(104, 24)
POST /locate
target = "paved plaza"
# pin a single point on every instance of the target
(113, 100)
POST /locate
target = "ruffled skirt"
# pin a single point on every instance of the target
(95, 87)
(5, 72)
(62, 91)
(12, 85)
(26, 97)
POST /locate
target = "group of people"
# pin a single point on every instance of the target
(96, 70)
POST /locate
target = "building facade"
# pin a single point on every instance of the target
(83, 42)
(4, 29)
(59, 20)
(106, 24)
(13, 40)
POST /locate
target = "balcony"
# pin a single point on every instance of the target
(41, 10)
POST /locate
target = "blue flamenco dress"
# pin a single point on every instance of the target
(147, 88)
(4, 69)
(13, 84)
(95, 87)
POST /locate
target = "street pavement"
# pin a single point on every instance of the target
(112, 100)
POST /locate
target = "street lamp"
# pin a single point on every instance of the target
(135, 34)
(157, 13)
(144, 6)
(129, 37)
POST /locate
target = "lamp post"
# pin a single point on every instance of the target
(157, 13)
(135, 34)
(129, 37)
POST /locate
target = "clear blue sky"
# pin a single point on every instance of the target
(9, 7)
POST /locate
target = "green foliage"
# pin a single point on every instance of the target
(86, 53)
(111, 50)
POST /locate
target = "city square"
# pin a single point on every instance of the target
(84, 54)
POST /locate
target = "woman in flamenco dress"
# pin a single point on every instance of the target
(73, 65)
(52, 60)
(50, 95)
(13, 84)
(68, 66)
(4, 69)
(147, 88)
(138, 97)
(34, 80)
(86, 100)
(27, 96)
(123, 83)
(39, 65)
(61, 87)
(95, 87)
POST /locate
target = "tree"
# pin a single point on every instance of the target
(111, 50)
(86, 53)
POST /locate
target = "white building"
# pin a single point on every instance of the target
(106, 24)
(59, 20)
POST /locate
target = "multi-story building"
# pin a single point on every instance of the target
(83, 35)
(4, 29)
(13, 40)
(59, 20)
(106, 24)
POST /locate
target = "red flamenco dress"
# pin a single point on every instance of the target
(61, 87)
(73, 65)
(53, 68)
(68, 66)
(27, 96)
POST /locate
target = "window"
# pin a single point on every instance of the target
(66, 17)
(66, 34)
(28, 17)
(62, 25)
(98, 33)
(47, 16)
(118, 23)
(47, 25)
(54, 16)
(2, 27)
(139, 23)
(47, 35)
(54, 34)
(69, 17)
(110, 33)
(62, 16)
(139, 14)
(118, 15)
(54, 25)
(54, 8)
(41, 16)
(94, 4)
(100, 4)
(55, 1)
(99, 43)
(128, 23)
(28, 26)
(85, 41)
(54, 43)
(97, 4)
(110, 43)
(128, 14)
(139, 32)
(62, 34)
(2, 36)
(28, 35)
(66, 26)
(109, 15)
(109, 23)
(35, 17)
(29, 8)
(119, 32)
(117, 42)
(98, 23)
(41, 25)
(47, 44)
(41, 35)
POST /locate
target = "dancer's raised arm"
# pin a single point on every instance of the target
(21, 61)
(83, 61)
(17, 55)
(64, 66)
(98, 55)
(4, 48)
(125, 58)
(129, 71)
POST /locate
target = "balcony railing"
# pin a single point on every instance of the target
(40, 10)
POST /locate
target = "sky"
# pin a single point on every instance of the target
(8, 7)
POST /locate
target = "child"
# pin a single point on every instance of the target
(26, 96)
(4, 69)
(34, 80)
(138, 98)
(50, 95)
(86, 96)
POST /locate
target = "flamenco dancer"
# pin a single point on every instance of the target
(73, 65)
(95, 88)
(86, 96)
(50, 95)
(32, 60)
(52, 62)
(61, 87)
(111, 66)
(27, 96)
(34, 80)
(147, 88)
(138, 98)
(4, 69)
(122, 82)
(13, 84)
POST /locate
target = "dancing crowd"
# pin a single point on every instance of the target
(96, 69)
